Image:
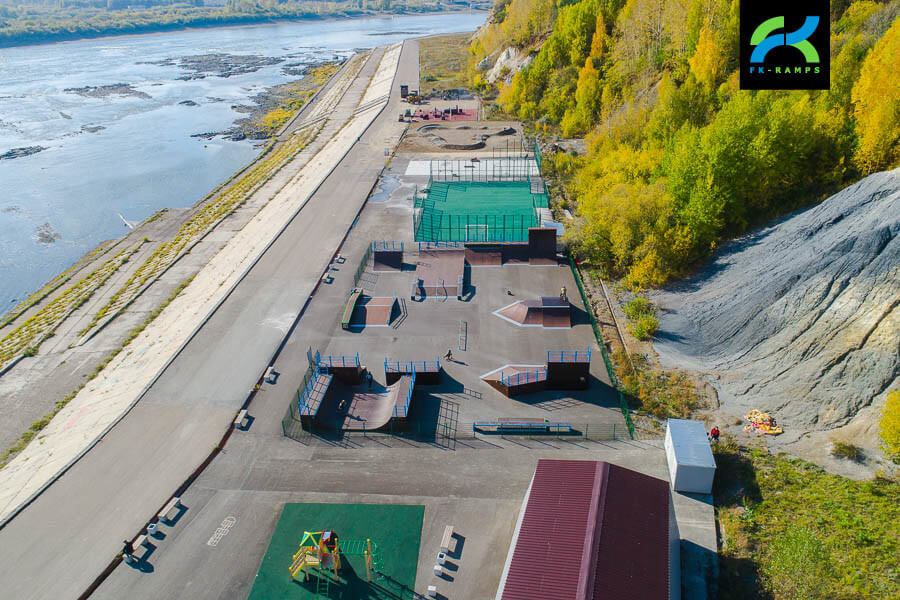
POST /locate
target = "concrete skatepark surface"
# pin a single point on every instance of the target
(477, 484)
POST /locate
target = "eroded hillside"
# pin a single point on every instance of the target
(801, 318)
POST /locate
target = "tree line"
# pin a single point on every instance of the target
(39, 21)
(678, 158)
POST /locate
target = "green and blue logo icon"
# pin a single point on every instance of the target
(784, 46)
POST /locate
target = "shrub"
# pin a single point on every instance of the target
(637, 307)
(644, 327)
(846, 450)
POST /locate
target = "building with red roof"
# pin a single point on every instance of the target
(591, 530)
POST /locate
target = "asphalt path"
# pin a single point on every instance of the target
(57, 545)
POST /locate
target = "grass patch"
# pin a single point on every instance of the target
(50, 287)
(38, 425)
(658, 392)
(395, 529)
(791, 530)
(26, 338)
(442, 62)
(294, 96)
(157, 215)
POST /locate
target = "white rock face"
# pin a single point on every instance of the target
(801, 318)
(513, 60)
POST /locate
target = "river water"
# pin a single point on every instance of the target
(131, 154)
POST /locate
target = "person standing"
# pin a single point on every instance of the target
(128, 550)
(714, 434)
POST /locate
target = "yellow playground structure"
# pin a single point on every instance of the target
(322, 550)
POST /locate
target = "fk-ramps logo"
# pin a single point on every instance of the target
(785, 45)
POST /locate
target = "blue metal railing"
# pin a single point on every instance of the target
(402, 412)
(305, 405)
(412, 366)
(523, 377)
(323, 363)
(435, 245)
(569, 356)
(387, 245)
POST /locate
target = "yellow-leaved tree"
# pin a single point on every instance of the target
(708, 62)
(876, 97)
(890, 425)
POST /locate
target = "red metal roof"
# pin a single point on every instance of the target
(548, 560)
(591, 531)
(631, 561)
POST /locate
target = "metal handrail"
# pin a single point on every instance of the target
(569, 356)
(524, 377)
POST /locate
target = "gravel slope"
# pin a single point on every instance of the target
(801, 318)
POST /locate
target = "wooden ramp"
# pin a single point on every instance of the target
(439, 273)
(373, 312)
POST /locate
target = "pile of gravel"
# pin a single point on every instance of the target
(801, 318)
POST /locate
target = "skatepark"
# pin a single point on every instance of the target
(399, 394)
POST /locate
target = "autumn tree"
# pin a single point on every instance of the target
(889, 425)
(876, 97)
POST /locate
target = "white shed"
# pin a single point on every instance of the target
(691, 463)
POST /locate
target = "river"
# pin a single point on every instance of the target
(131, 153)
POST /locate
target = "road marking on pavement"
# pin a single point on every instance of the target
(221, 531)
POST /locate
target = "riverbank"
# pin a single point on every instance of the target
(341, 113)
(49, 347)
(95, 24)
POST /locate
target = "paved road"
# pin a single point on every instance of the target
(56, 546)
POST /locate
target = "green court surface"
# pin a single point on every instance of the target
(394, 529)
(478, 211)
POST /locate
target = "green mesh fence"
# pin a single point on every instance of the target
(496, 211)
(623, 405)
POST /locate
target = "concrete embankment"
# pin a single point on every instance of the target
(121, 384)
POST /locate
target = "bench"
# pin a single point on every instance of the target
(138, 545)
(240, 418)
(270, 375)
(340, 259)
(326, 277)
(447, 539)
(175, 502)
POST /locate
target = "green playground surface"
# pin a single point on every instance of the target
(478, 211)
(395, 529)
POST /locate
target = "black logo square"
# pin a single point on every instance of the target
(785, 45)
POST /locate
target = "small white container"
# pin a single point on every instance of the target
(442, 558)
(152, 528)
(438, 570)
(432, 591)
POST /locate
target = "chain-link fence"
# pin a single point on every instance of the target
(446, 432)
(623, 405)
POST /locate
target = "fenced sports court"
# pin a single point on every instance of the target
(491, 200)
